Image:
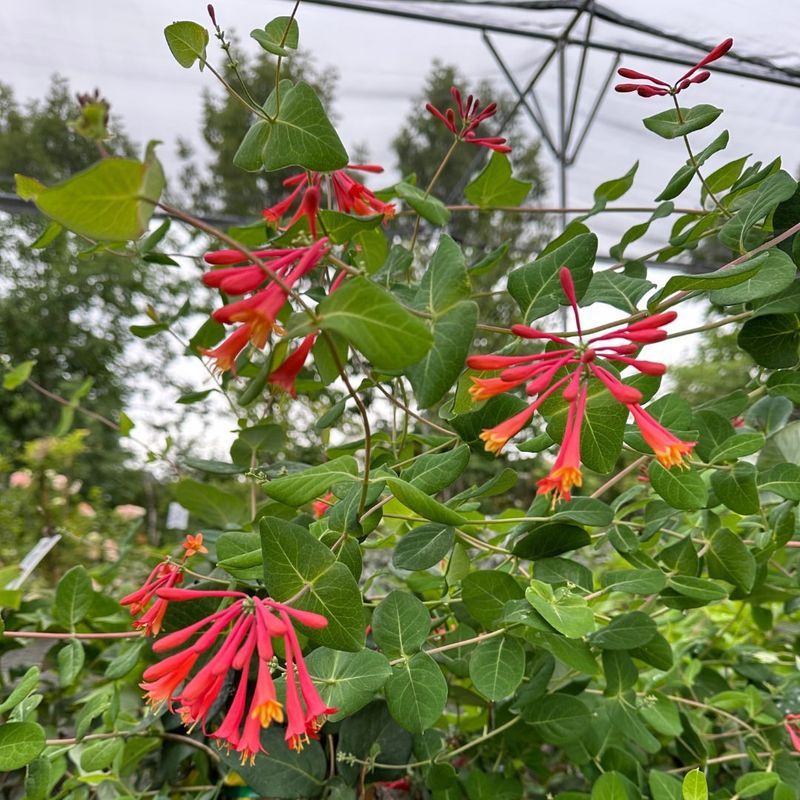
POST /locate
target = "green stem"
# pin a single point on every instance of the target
(436, 176)
(694, 163)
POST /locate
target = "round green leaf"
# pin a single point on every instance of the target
(400, 624)
(20, 743)
(559, 718)
(496, 667)
(681, 488)
(416, 693)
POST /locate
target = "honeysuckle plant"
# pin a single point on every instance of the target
(608, 612)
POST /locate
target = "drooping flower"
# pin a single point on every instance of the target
(344, 193)
(470, 115)
(228, 640)
(655, 87)
(320, 506)
(268, 293)
(164, 575)
(792, 724)
(285, 375)
(544, 373)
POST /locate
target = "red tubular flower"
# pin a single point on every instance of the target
(470, 115)
(243, 630)
(320, 507)
(791, 723)
(669, 450)
(346, 193)
(163, 575)
(566, 471)
(226, 353)
(286, 374)
(581, 361)
(655, 87)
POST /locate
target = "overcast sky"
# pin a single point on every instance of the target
(382, 63)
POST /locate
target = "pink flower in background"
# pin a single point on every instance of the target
(129, 512)
(22, 479)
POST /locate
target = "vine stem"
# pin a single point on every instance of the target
(694, 163)
(632, 467)
(59, 635)
(174, 737)
(556, 210)
(411, 413)
(280, 59)
(455, 645)
(434, 179)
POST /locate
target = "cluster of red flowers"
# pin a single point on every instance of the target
(258, 312)
(655, 87)
(165, 575)
(470, 115)
(346, 193)
(246, 629)
(542, 374)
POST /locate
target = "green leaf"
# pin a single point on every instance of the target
(567, 613)
(729, 559)
(785, 383)
(722, 278)
(620, 671)
(495, 186)
(661, 714)
(560, 571)
(486, 592)
(347, 681)
(211, 505)
(694, 786)
(743, 444)
(558, 718)
(625, 632)
(20, 743)
(248, 155)
(416, 693)
(585, 511)
(38, 778)
(698, 588)
(302, 487)
(755, 783)
(614, 786)
(400, 624)
(278, 36)
(124, 663)
(551, 539)
(423, 547)
(657, 652)
(772, 340)
(70, 662)
(429, 208)
(496, 667)
(453, 334)
(775, 272)
(297, 563)
(25, 685)
(239, 554)
(681, 488)
(602, 428)
(388, 335)
(284, 774)
(758, 204)
(301, 135)
(672, 123)
(18, 375)
(341, 228)
(433, 472)
(27, 188)
(422, 503)
(99, 755)
(112, 200)
(536, 287)
(782, 479)
(737, 488)
(74, 596)
(616, 289)
(634, 581)
(187, 42)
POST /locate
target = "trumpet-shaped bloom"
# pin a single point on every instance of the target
(229, 640)
(543, 374)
